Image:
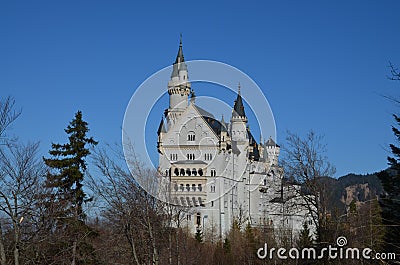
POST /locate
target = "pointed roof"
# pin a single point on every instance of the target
(179, 56)
(179, 63)
(213, 123)
(271, 142)
(223, 124)
(161, 127)
(238, 107)
(255, 154)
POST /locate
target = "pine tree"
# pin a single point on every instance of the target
(199, 236)
(390, 201)
(305, 240)
(390, 179)
(67, 167)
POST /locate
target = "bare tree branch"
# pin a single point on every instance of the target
(8, 115)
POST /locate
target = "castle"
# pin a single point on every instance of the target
(217, 170)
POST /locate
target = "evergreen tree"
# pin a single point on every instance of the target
(227, 245)
(68, 167)
(305, 240)
(390, 201)
(66, 195)
(390, 179)
(199, 236)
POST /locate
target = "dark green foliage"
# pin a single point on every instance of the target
(68, 166)
(353, 207)
(305, 240)
(65, 196)
(390, 201)
(227, 245)
(199, 236)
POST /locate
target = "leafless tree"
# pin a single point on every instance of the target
(21, 175)
(134, 213)
(394, 72)
(304, 161)
(8, 115)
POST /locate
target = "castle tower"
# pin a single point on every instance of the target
(239, 120)
(178, 88)
(273, 151)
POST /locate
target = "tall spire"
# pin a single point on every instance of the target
(179, 57)
(179, 63)
(238, 108)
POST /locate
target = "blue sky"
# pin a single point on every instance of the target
(321, 64)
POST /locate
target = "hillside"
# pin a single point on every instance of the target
(360, 188)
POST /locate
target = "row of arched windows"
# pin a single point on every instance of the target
(188, 172)
(189, 202)
(174, 157)
(188, 187)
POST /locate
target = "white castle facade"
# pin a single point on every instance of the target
(217, 171)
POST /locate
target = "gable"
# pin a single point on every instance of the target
(193, 123)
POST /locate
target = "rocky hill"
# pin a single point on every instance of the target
(352, 187)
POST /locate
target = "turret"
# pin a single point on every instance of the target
(238, 120)
(178, 87)
(272, 150)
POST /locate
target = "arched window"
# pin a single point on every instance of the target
(200, 187)
(188, 172)
(198, 219)
(182, 172)
(213, 173)
(200, 172)
(181, 187)
(191, 137)
(187, 187)
(176, 172)
(207, 156)
(194, 187)
(194, 172)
